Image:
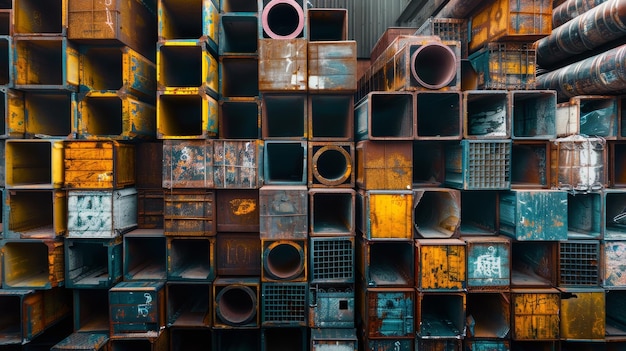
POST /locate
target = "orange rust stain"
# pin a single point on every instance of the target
(241, 207)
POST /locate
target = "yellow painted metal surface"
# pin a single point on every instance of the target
(33, 264)
(583, 315)
(40, 214)
(34, 164)
(208, 76)
(384, 165)
(440, 264)
(13, 113)
(283, 64)
(99, 164)
(535, 314)
(511, 19)
(46, 62)
(387, 214)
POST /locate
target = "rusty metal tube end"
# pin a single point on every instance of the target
(434, 65)
(282, 19)
(236, 304)
(332, 165)
(284, 260)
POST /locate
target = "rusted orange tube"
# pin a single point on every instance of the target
(236, 305)
(283, 260)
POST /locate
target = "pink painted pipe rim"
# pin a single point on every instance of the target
(266, 12)
(446, 57)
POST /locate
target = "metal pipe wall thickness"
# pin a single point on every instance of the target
(571, 9)
(590, 30)
(601, 74)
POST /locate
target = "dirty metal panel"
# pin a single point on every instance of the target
(32, 264)
(436, 212)
(46, 63)
(188, 164)
(505, 65)
(535, 314)
(331, 307)
(332, 66)
(137, 307)
(101, 214)
(386, 165)
(527, 20)
(238, 254)
(99, 164)
(440, 265)
(614, 269)
(237, 210)
(579, 163)
(283, 212)
(238, 164)
(190, 259)
(111, 115)
(386, 214)
(334, 338)
(534, 214)
(149, 164)
(33, 164)
(189, 212)
(35, 214)
(582, 314)
(385, 263)
(488, 263)
(488, 345)
(595, 115)
(13, 114)
(115, 22)
(283, 65)
(93, 264)
(388, 344)
(388, 312)
(150, 208)
(96, 341)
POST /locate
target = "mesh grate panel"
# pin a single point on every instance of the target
(489, 165)
(284, 303)
(332, 259)
(579, 263)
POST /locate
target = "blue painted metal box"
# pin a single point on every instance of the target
(534, 214)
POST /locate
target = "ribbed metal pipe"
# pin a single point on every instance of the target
(571, 9)
(601, 74)
(590, 30)
(458, 9)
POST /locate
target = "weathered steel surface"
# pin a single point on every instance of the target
(96, 341)
(488, 345)
(327, 24)
(119, 69)
(331, 307)
(579, 263)
(384, 165)
(534, 214)
(436, 212)
(533, 114)
(282, 19)
(582, 314)
(387, 38)
(534, 264)
(180, 20)
(385, 263)
(440, 265)
(190, 259)
(49, 113)
(151, 341)
(570, 9)
(238, 164)
(150, 208)
(188, 305)
(284, 260)
(332, 212)
(186, 116)
(488, 263)
(479, 164)
(149, 164)
(130, 23)
(595, 115)
(35, 214)
(385, 214)
(189, 212)
(388, 344)
(284, 304)
(438, 115)
(236, 302)
(283, 65)
(612, 219)
(101, 214)
(238, 33)
(240, 118)
(238, 254)
(526, 20)
(285, 162)
(93, 263)
(332, 164)
(114, 115)
(604, 73)
(585, 216)
(13, 114)
(487, 114)
(45, 63)
(33, 164)
(237, 210)
(186, 67)
(535, 314)
(438, 344)
(330, 117)
(334, 338)
(579, 163)
(32, 264)
(599, 25)
(99, 164)
(387, 312)
(454, 29)
(331, 259)
(332, 66)
(137, 307)
(613, 269)
(531, 168)
(276, 124)
(385, 116)
(505, 65)
(617, 173)
(228, 6)
(614, 302)
(188, 164)
(31, 17)
(145, 255)
(488, 315)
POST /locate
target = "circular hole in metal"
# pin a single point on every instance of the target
(332, 165)
(434, 66)
(282, 19)
(284, 261)
(236, 305)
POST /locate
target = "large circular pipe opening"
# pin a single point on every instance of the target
(332, 165)
(282, 19)
(236, 305)
(434, 66)
(284, 260)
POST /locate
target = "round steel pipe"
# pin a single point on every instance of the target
(284, 260)
(571, 9)
(332, 165)
(282, 19)
(458, 9)
(601, 74)
(236, 305)
(433, 65)
(588, 31)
